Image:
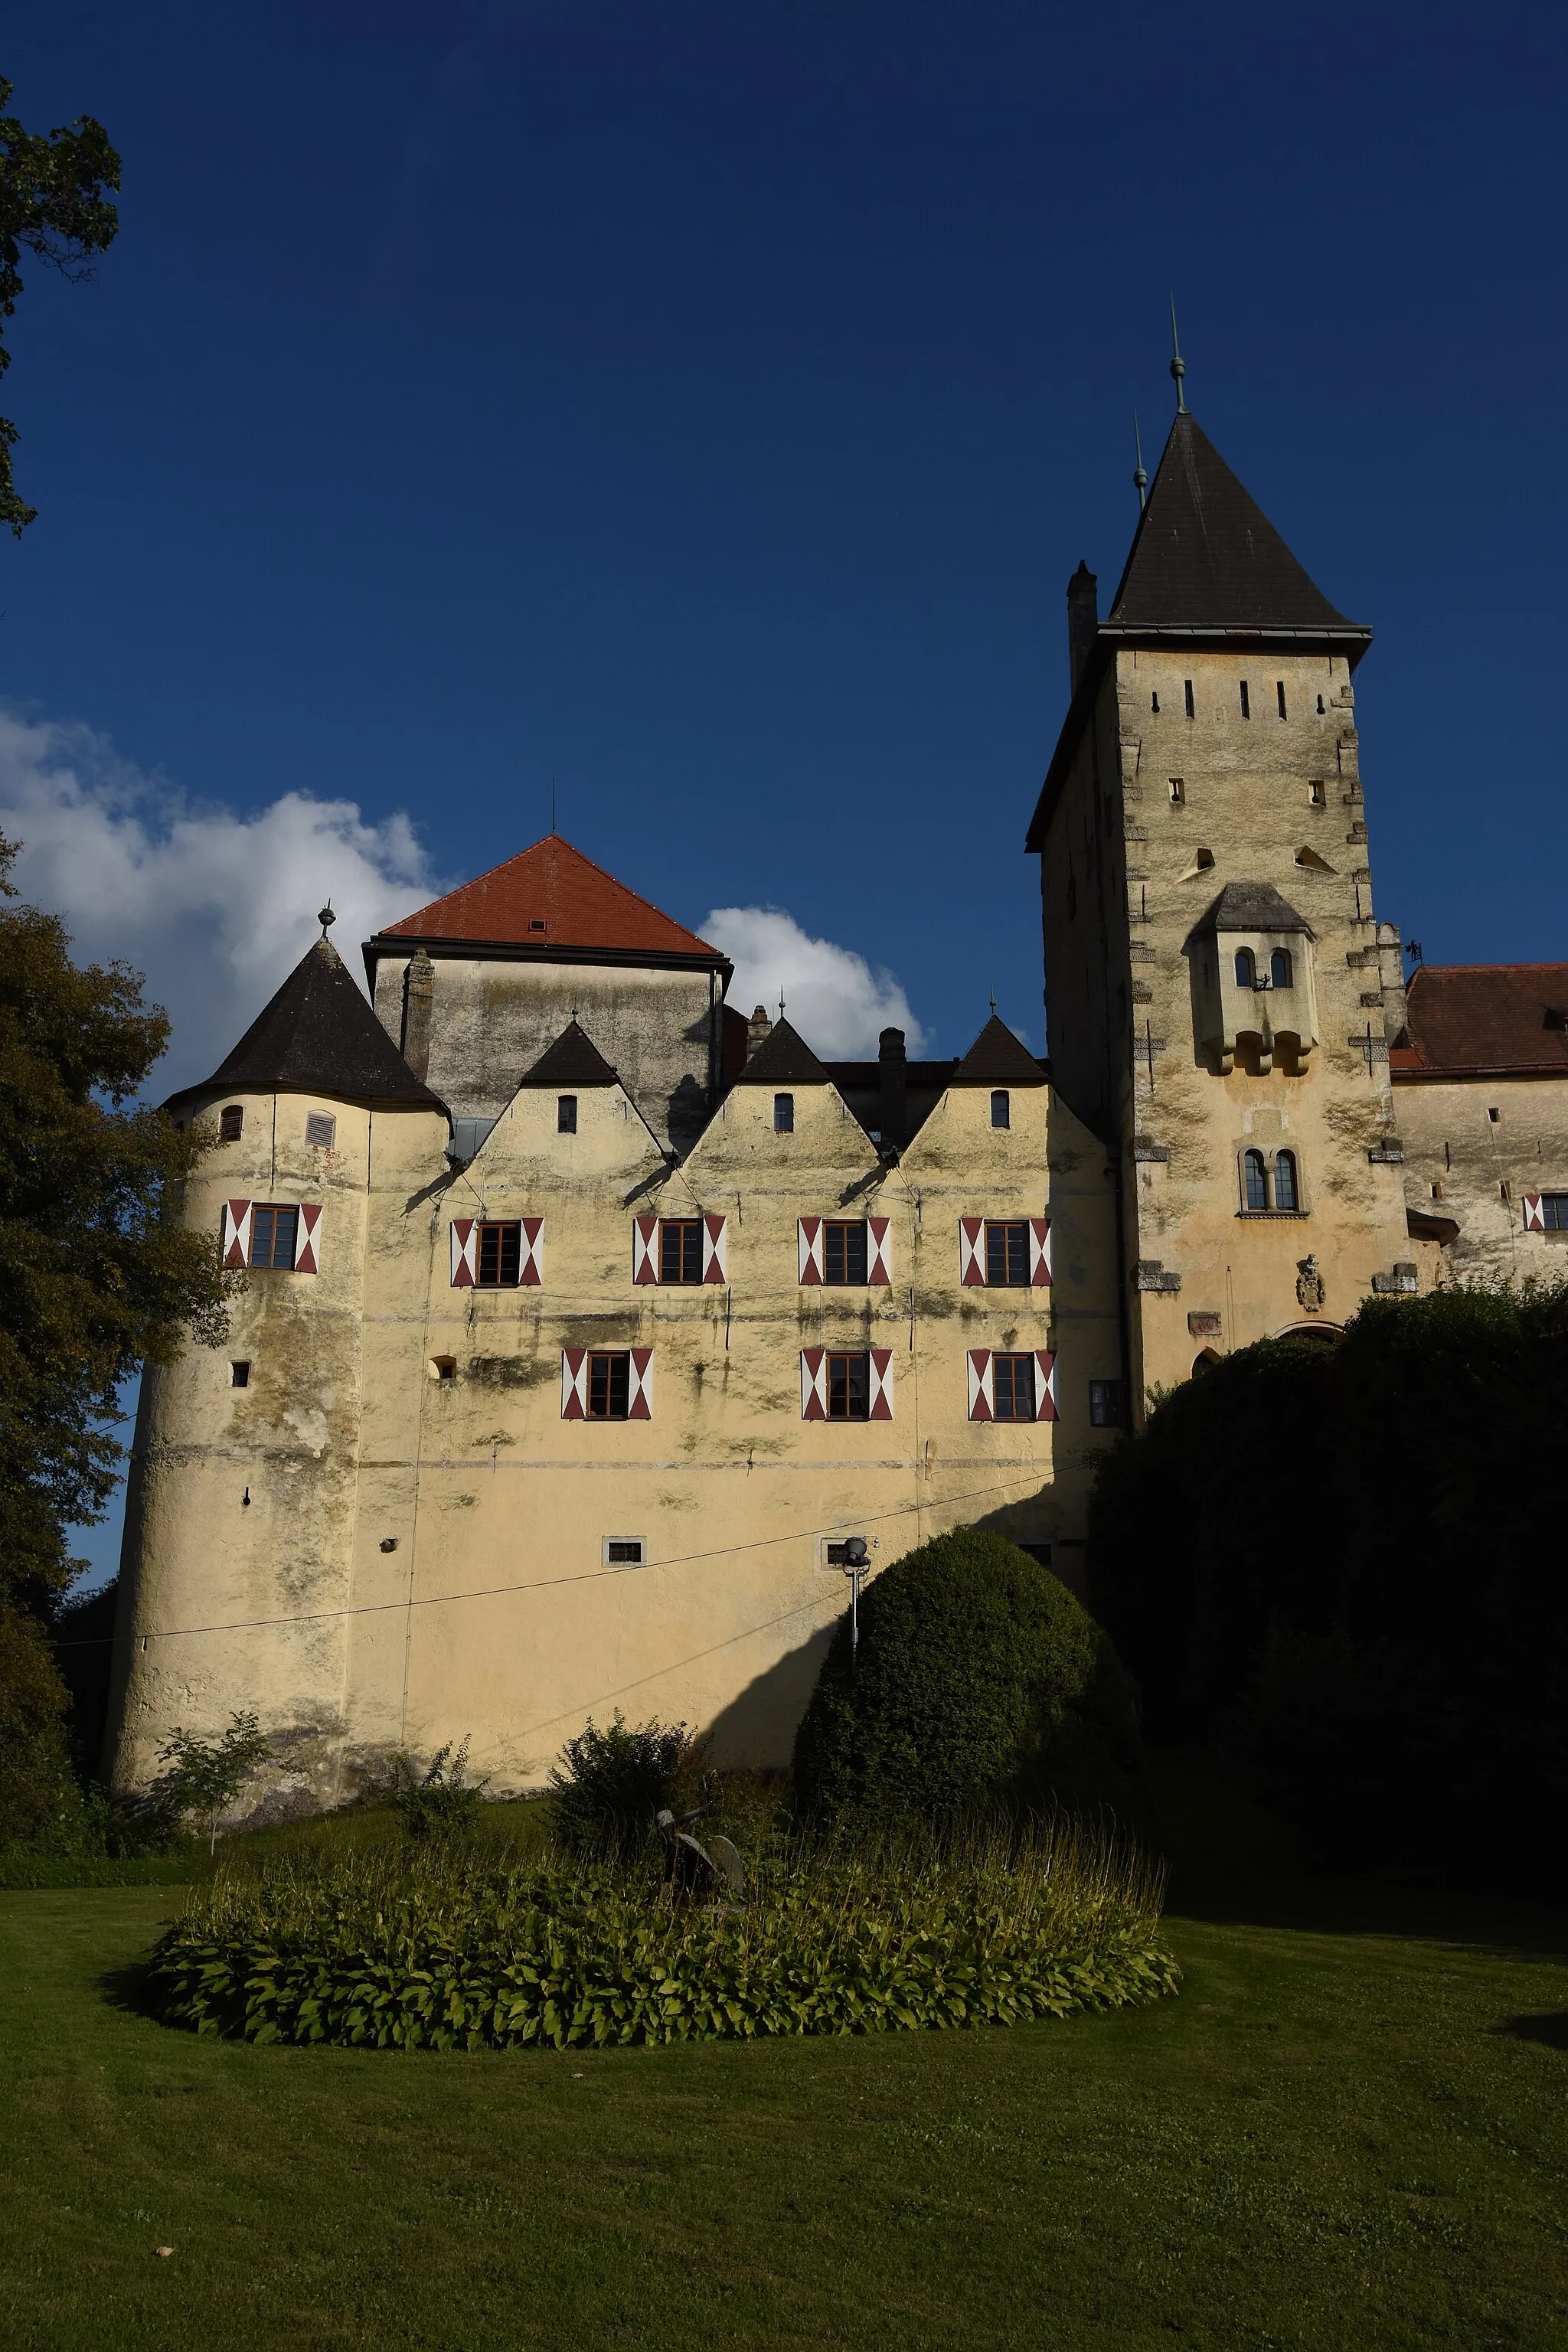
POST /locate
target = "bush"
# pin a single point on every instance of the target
(441, 1801)
(980, 1682)
(1342, 1567)
(423, 1951)
(612, 1783)
(41, 1808)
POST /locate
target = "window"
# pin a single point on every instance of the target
(443, 1368)
(1246, 706)
(848, 1388)
(500, 1257)
(844, 1256)
(1153, 702)
(1001, 1109)
(1187, 685)
(1013, 1379)
(610, 1385)
(1318, 792)
(1285, 1186)
(680, 1249)
(1245, 969)
(1106, 1410)
(1279, 969)
(783, 1114)
(1280, 693)
(536, 923)
(623, 1551)
(1254, 1180)
(321, 1128)
(1007, 1256)
(1494, 1116)
(231, 1123)
(1178, 791)
(566, 1114)
(1555, 1213)
(1320, 705)
(239, 1376)
(272, 1232)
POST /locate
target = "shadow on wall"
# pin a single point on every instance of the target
(758, 1727)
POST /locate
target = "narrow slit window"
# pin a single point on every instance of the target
(566, 1114)
(231, 1123)
(1187, 689)
(848, 1388)
(1013, 1386)
(844, 1257)
(1279, 695)
(239, 1376)
(1178, 791)
(783, 1114)
(1320, 705)
(1319, 791)
(1001, 1109)
(1256, 1181)
(610, 1385)
(500, 1254)
(680, 1249)
(1007, 1256)
(1286, 1191)
(1245, 705)
(1153, 702)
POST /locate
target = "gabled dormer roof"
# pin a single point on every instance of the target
(998, 1058)
(573, 1060)
(318, 1035)
(1251, 907)
(783, 1059)
(553, 905)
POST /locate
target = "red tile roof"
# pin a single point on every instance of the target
(1475, 1017)
(552, 897)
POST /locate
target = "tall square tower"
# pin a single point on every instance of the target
(1216, 1005)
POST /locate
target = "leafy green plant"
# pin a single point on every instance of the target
(205, 1775)
(441, 1801)
(612, 1782)
(435, 1950)
(979, 1681)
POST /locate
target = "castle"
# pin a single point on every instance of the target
(591, 1331)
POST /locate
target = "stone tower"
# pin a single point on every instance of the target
(1215, 1004)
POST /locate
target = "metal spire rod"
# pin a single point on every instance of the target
(1178, 364)
(1140, 478)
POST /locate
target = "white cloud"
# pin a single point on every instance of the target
(214, 907)
(833, 996)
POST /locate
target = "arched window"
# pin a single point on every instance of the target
(1001, 1109)
(1255, 1181)
(1285, 1195)
(1246, 970)
(1279, 970)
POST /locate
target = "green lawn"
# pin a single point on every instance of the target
(1350, 2130)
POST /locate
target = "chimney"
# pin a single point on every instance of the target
(1083, 620)
(757, 1030)
(418, 989)
(893, 1071)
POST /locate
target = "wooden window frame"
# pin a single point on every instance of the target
(493, 1234)
(689, 1251)
(1008, 1227)
(843, 1227)
(845, 1357)
(1019, 1368)
(603, 1382)
(272, 1211)
(231, 1123)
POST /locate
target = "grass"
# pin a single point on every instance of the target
(1350, 2130)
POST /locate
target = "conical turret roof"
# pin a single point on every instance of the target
(318, 1035)
(783, 1059)
(998, 1057)
(573, 1060)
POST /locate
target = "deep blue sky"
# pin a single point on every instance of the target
(706, 405)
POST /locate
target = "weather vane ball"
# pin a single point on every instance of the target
(326, 918)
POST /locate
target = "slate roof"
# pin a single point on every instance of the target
(1251, 907)
(998, 1058)
(546, 900)
(318, 1035)
(1206, 556)
(1493, 1018)
(573, 1061)
(783, 1059)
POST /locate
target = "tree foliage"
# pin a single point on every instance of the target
(1343, 1565)
(980, 1682)
(205, 1775)
(54, 204)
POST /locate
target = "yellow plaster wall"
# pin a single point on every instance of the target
(1459, 1159)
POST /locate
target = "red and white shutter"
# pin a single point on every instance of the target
(465, 1252)
(1534, 1216)
(881, 1384)
(639, 1397)
(1039, 1251)
(645, 1249)
(574, 1384)
(715, 1249)
(971, 1251)
(1044, 1384)
(814, 1383)
(878, 1254)
(531, 1256)
(236, 1233)
(305, 1247)
(812, 1267)
(982, 1385)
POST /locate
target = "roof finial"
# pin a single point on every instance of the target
(326, 918)
(781, 1004)
(1178, 364)
(1140, 478)
(552, 809)
(993, 1004)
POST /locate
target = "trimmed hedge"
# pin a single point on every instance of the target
(564, 1955)
(980, 1682)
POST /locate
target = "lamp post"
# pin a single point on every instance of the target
(855, 1560)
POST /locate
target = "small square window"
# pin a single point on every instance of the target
(1319, 793)
(1107, 1406)
(536, 923)
(1178, 791)
(566, 1114)
(1001, 1109)
(231, 1123)
(783, 1114)
(623, 1552)
(321, 1128)
(443, 1368)
(1494, 1116)
(239, 1376)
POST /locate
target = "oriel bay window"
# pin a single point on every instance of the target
(1004, 1253)
(272, 1236)
(846, 1385)
(607, 1384)
(680, 1249)
(845, 1251)
(496, 1253)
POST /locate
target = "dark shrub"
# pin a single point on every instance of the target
(612, 1782)
(980, 1682)
(441, 1803)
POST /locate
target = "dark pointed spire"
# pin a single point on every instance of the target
(1178, 364)
(1140, 472)
(318, 1035)
(783, 1058)
(998, 1057)
(573, 1060)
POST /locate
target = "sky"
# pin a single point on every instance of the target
(698, 411)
